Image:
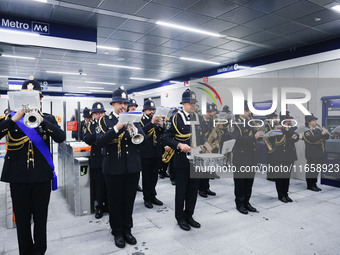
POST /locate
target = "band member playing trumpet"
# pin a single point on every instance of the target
(244, 155)
(284, 155)
(315, 149)
(179, 137)
(121, 167)
(29, 169)
(151, 153)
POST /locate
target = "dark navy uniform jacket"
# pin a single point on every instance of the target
(18, 145)
(120, 155)
(152, 147)
(178, 131)
(96, 158)
(284, 146)
(315, 143)
(244, 150)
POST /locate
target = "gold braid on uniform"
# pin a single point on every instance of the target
(282, 141)
(152, 132)
(179, 136)
(320, 141)
(88, 127)
(14, 144)
(119, 143)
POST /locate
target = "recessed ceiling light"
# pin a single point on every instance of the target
(90, 88)
(200, 61)
(14, 56)
(106, 47)
(190, 29)
(317, 19)
(143, 79)
(3, 76)
(41, 1)
(336, 8)
(18, 32)
(99, 82)
(105, 91)
(68, 73)
(118, 66)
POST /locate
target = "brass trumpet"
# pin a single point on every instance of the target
(167, 155)
(265, 140)
(31, 118)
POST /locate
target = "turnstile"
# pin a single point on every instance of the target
(332, 175)
(74, 176)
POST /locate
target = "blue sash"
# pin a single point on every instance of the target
(36, 139)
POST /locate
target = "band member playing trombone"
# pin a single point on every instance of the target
(284, 155)
(121, 167)
(315, 150)
(179, 137)
(28, 167)
(151, 153)
(244, 155)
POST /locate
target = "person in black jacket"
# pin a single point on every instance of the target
(179, 137)
(121, 167)
(87, 117)
(244, 155)
(132, 106)
(315, 150)
(29, 173)
(151, 153)
(96, 159)
(283, 156)
(270, 125)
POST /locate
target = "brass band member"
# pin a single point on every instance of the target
(121, 167)
(83, 124)
(204, 186)
(315, 149)
(284, 155)
(132, 106)
(244, 155)
(270, 125)
(178, 136)
(28, 167)
(151, 153)
(96, 159)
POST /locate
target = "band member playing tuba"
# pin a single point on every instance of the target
(315, 150)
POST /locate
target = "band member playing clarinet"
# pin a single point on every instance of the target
(244, 155)
(315, 150)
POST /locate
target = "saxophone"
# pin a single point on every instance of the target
(216, 143)
(167, 155)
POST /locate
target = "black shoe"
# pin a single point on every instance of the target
(210, 193)
(130, 239)
(318, 188)
(184, 225)
(314, 188)
(155, 201)
(283, 199)
(148, 204)
(242, 209)
(99, 213)
(173, 183)
(250, 208)
(139, 188)
(193, 223)
(289, 199)
(202, 194)
(119, 241)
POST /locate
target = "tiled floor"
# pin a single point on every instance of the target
(309, 225)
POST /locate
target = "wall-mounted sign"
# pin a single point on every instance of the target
(33, 32)
(71, 125)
